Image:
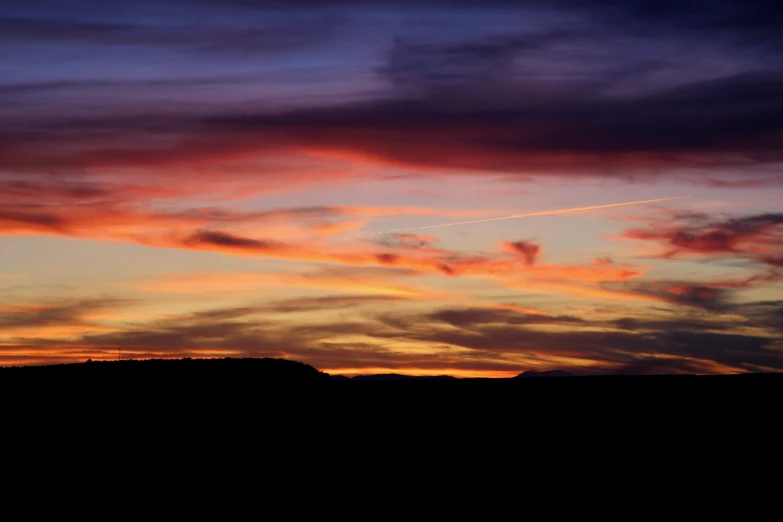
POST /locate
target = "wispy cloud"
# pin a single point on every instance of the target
(758, 238)
(462, 341)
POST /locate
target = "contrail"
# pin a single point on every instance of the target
(544, 213)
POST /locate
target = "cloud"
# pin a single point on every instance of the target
(369, 281)
(770, 276)
(58, 319)
(54, 314)
(18, 190)
(764, 314)
(687, 324)
(735, 184)
(577, 88)
(681, 127)
(476, 318)
(603, 279)
(676, 350)
(399, 240)
(758, 238)
(207, 238)
(200, 34)
(254, 234)
(333, 228)
(13, 221)
(226, 243)
(332, 302)
(460, 340)
(706, 296)
(130, 214)
(528, 249)
(212, 230)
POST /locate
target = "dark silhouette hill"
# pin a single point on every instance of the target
(550, 373)
(254, 388)
(255, 406)
(227, 372)
(401, 377)
(396, 377)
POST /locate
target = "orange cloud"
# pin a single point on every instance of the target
(214, 230)
(527, 249)
(333, 228)
(757, 237)
(249, 283)
(595, 272)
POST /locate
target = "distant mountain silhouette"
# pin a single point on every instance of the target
(550, 373)
(400, 377)
(394, 377)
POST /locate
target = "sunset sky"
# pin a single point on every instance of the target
(197, 178)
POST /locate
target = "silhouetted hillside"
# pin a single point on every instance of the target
(208, 372)
(255, 387)
(550, 373)
(397, 377)
(400, 377)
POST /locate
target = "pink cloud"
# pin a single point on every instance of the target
(758, 238)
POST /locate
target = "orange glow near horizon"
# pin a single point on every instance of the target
(413, 371)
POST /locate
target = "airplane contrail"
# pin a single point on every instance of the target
(544, 213)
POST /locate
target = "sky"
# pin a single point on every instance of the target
(240, 178)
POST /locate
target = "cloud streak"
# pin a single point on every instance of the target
(590, 88)
(462, 341)
(549, 213)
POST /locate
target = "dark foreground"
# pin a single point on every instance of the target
(163, 417)
(278, 383)
(237, 410)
